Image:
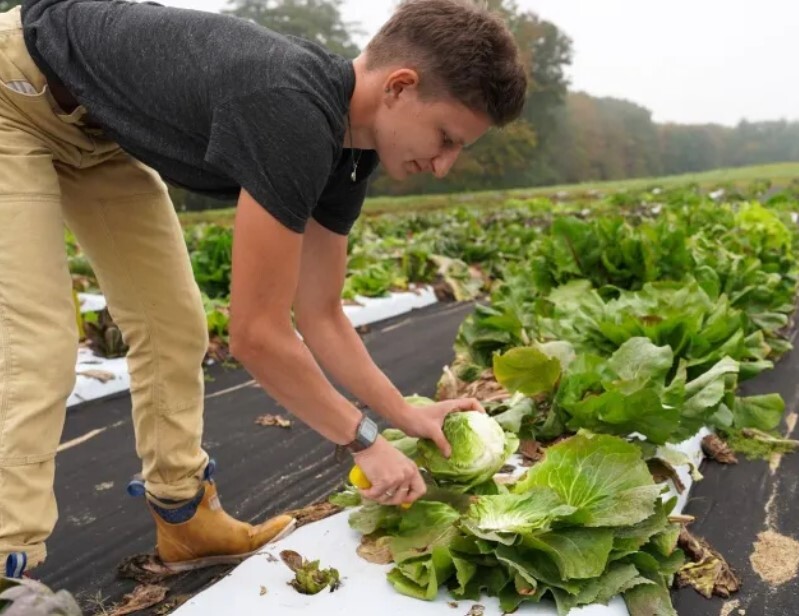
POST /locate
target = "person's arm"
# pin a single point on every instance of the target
(265, 273)
(336, 345)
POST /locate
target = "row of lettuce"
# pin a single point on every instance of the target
(461, 251)
(607, 338)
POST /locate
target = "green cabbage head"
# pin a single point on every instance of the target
(480, 448)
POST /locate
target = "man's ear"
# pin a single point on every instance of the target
(399, 81)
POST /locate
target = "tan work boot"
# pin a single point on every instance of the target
(212, 537)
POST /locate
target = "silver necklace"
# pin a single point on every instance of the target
(355, 161)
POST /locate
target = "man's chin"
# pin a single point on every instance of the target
(397, 173)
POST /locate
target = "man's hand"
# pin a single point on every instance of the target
(394, 477)
(427, 421)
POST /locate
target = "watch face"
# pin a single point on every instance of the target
(368, 431)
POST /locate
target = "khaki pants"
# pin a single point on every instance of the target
(52, 173)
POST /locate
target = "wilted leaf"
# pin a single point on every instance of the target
(476, 610)
(27, 597)
(531, 451)
(273, 420)
(292, 559)
(142, 597)
(144, 568)
(313, 513)
(375, 550)
(101, 375)
(708, 573)
(662, 471)
(716, 449)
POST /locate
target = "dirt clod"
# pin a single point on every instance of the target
(776, 558)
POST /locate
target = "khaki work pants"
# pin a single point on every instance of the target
(52, 173)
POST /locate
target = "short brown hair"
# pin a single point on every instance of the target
(458, 47)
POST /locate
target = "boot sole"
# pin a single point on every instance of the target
(224, 559)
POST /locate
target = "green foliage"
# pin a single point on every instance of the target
(315, 20)
(581, 527)
(211, 253)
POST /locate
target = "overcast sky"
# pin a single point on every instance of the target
(688, 61)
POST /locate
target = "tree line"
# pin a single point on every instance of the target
(562, 137)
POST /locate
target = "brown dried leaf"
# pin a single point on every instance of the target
(144, 568)
(717, 449)
(476, 610)
(375, 549)
(218, 350)
(485, 388)
(314, 513)
(662, 471)
(293, 559)
(142, 597)
(101, 375)
(452, 603)
(448, 385)
(273, 420)
(708, 573)
(531, 452)
(263, 591)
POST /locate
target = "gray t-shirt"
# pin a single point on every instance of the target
(212, 102)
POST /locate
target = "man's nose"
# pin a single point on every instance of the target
(443, 162)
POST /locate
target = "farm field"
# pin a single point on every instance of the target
(600, 326)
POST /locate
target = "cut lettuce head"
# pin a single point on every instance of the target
(479, 449)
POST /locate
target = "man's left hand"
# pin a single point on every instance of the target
(427, 421)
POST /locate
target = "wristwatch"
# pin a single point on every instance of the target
(365, 436)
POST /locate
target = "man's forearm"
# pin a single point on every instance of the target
(285, 368)
(341, 352)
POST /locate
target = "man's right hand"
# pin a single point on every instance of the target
(394, 477)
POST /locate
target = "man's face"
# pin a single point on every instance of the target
(413, 135)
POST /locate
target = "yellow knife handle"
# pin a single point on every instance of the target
(360, 480)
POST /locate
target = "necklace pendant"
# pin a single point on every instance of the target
(353, 175)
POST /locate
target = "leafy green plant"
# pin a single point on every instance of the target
(581, 527)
